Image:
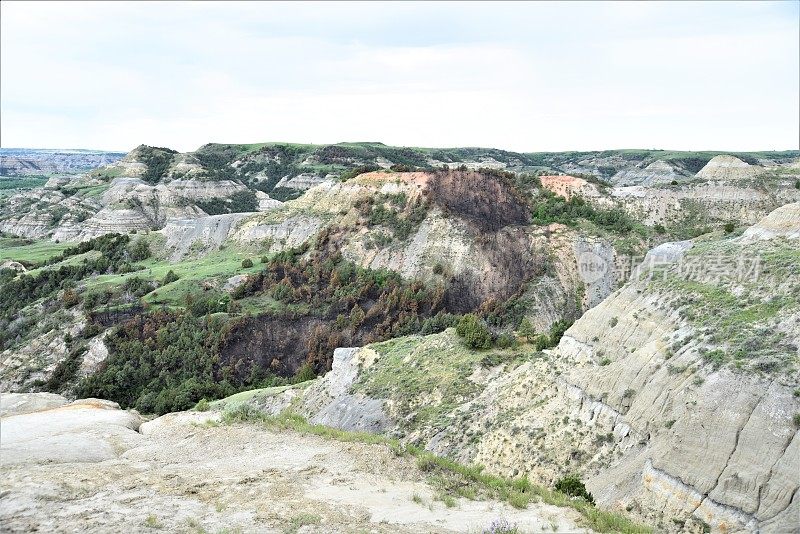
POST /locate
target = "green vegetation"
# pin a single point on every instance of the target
(527, 330)
(158, 161)
(553, 208)
(301, 520)
(239, 202)
(452, 478)
(571, 485)
(14, 184)
(395, 212)
(17, 292)
(441, 370)
(167, 361)
(737, 323)
(29, 252)
(474, 332)
(153, 522)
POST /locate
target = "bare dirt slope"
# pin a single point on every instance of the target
(185, 473)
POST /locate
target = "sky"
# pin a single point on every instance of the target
(528, 77)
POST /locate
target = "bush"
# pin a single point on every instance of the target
(202, 405)
(247, 263)
(70, 298)
(139, 250)
(729, 227)
(474, 332)
(169, 278)
(304, 374)
(571, 485)
(505, 341)
(557, 330)
(527, 330)
(542, 342)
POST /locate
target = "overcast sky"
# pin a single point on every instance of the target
(518, 76)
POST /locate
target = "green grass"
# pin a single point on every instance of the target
(16, 184)
(452, 478)
(233, 401)
(92, 191)
(441, 366)
(218, 265)
(28, 251)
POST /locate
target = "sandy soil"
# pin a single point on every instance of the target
(188, 474)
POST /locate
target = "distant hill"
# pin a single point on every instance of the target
(17, 162)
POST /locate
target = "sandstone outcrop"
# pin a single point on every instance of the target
(88, 430)
(728, 168)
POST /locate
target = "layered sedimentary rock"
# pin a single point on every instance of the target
(728, 168)
(657, 172)
(666, 396)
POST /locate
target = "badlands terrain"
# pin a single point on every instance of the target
(357, 337)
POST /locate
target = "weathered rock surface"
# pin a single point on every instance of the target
(655, 173)
(88, 430)
(186, 472)
(728, 168)
(303, 181)
(203, 234)
(784, 221)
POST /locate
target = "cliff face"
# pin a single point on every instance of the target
(675, 397)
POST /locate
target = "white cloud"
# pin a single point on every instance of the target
(515, 76)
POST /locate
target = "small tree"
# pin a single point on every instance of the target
(542, 342)
(572, 486)
(247, 263)
(527, 330)
(474, 332)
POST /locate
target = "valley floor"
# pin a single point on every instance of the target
(85, 468)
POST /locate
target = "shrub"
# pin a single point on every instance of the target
(527, 330)
(70, 298)
(202, 405)
(729, 227)
(557, 330)
(139, 250)
(247, 263)
(169, 278)
(304, 374)
(542, 342)
(571, 485)
(474, 332)
(505, 341)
